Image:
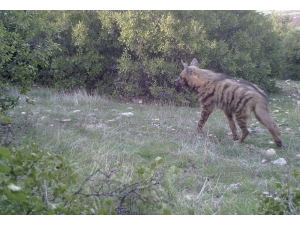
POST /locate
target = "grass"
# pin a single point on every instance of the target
(91, 130)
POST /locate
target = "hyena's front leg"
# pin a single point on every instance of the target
(242, 121)
(205, 112)
(232, 126)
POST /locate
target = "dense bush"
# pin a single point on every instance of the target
(36, 182)
(88, 53)
(291, 51)
(26, 45)
(137, 53)
(33, 181)
(238, 43)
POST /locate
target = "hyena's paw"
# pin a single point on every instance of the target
(235, 138)
(238, 141)
(195, 133)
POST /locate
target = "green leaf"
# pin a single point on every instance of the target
(43, 174)
(102, 211)
(278, 185)
(4, 168)
(191, 212)
(4, 153)
(108, 202)
(153, 165)
(166, 212)
(20, 196)
(159, 160)
(295, 173)
(141, 170)
(9, 194)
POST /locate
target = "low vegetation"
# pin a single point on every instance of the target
(136, 158)
(91, 123)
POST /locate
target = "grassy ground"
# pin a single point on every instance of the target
(217, 176)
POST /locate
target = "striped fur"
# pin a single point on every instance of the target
(234, 97)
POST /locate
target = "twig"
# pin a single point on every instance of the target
(46, 193)
(202, 189)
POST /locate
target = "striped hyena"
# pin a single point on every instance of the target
(234, 97)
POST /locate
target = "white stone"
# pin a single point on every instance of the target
(233, 186)
(270, 152)
(14, 187)
(280, 162)
(127, 114)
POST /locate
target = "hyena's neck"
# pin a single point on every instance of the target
(196, 83)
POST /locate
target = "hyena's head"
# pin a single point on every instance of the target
(182, 79)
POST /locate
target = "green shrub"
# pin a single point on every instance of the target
(291, 51)
(284, 201)
(37, 182)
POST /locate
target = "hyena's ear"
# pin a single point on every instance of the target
(186, 67)
(195, 63)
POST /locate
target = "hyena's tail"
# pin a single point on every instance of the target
(264, 116)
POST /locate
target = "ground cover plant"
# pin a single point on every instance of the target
(152, 150)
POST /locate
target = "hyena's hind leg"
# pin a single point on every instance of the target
(242, 122)
(232, 126)
(205, 112)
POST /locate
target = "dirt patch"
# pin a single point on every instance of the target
(289, 88)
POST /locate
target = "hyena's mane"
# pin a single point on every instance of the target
(211, 75)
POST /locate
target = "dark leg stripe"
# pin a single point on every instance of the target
(208, 96)
(232, 97)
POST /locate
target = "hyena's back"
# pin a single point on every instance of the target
(234, 97)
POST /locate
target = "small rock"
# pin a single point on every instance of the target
(127, 114)
(264, 160)
(23, 113)
(269, 194)
(270, 152)
(156, 125)
(233, 186)
(280, 162)
(77, 110)
(65, 120)
(129, 108)
(298, 156)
